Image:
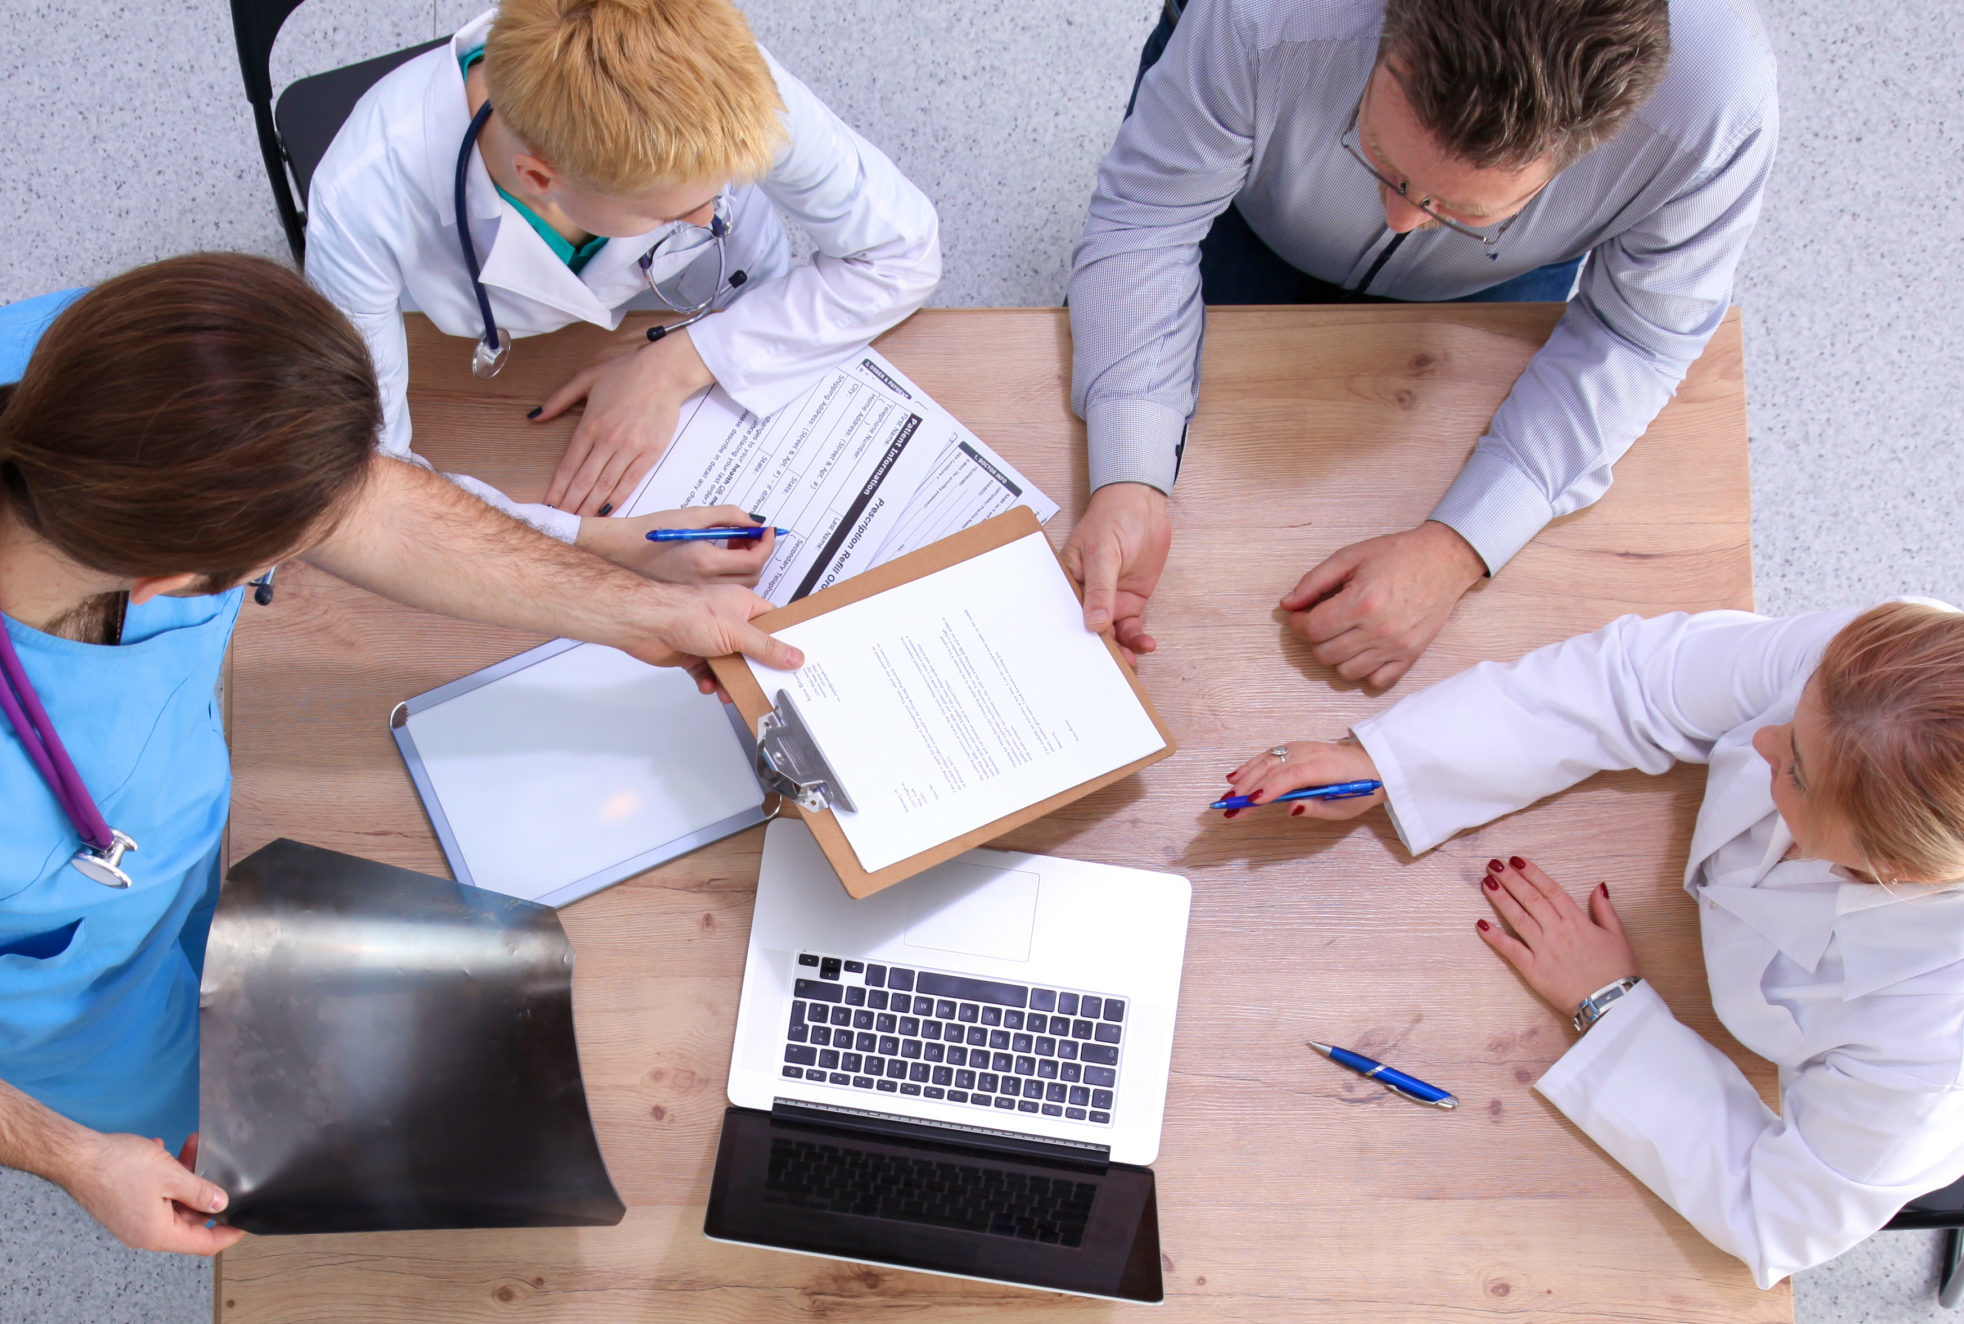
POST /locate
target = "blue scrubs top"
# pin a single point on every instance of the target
(99, 986)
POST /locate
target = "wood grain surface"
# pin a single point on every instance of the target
(1289, 1189)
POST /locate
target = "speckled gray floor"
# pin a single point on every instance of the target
(129, 139)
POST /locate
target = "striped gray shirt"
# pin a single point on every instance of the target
(1246, 106)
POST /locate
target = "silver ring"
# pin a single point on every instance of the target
(1280, 751)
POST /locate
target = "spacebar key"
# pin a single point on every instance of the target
(972, 990)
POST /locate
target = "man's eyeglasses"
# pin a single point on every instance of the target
(1350, 142)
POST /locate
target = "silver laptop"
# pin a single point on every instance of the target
(965, 1073)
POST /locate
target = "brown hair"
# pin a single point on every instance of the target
(625, 94)
(208, 414)
(1891, 688)
(1508, 82)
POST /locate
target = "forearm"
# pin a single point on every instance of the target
(35, 1138)
(416, 539)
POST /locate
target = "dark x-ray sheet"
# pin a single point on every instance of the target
(383, 1050)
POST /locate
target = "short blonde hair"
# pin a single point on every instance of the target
(1891, 688)
(621, 95)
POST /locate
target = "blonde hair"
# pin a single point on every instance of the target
(1891, 688)
(621, 95)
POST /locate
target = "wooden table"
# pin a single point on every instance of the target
(1289, 1189)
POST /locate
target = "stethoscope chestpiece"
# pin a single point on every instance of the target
(105, 866)
(487, 362)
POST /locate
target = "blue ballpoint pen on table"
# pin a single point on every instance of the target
(1396, 1081)
(752, 531)
(1340, 791)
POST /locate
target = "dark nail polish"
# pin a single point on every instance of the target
(535, 411)
(1518, 863)
(1484, 926)
(1494, 866)
(1230, 813)
(1605, 887)
(755, 518)
(1490, 884)
(607, 509)
(1297, 812)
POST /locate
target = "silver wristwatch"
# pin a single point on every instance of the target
(1591, 1009)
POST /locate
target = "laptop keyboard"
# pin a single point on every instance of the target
(982, 1043)
(1001, 1202)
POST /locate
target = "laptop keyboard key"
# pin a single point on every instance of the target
(1090, 1007)
(839, 1078)
(862, 1082)
(911, 1049)
(933, 1093)
(794, 1073)
(1012, 1019)
(889, 1086)
(1104, 1054)
(817, 992)
(909, 1087)
(819, 1034)
(988, 1083)
(957, 1096)
(1079, 1097)
(1046, 1047)
(829, 1059)
(1033, 1089)
(1019, 1043)
(1028, 1105)
(1052, 1110)
(798, 1033)
(851, 1062)
(1074, 1114)
(943, 1076)
(1001, 1062)
(855, 996)
(918, 1071)
(876, 999)
(992, 1015)
(1080, 1029)
(1026, 1066)
(885, 1022)
(977, 1037)
(829, 968)
(1067, 1003)
(889, 1045)
(944, 1008)
(1004, 1101)
(1106, 1033)
(968, 1013)
(862, 1020)
(896, 1069)
(1054, 1092)
(899, 1002)
(957, 1056)
(875, 1065)
(1042, 999)
(910, 1027)
(807, 958)
(798, 1013)
(1067, 1049)
(1102, 1077)
(931, 1030)
(1103, 1119)
(1101, 1099)
(876, 976)
(997, 1038)
(1047, 1069)
(934, 1052)
(800, 1054)
(1070, 1071)
(864, 1043)
(900, 980)
(1114, 1009)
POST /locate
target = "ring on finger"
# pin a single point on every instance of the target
(1280, 751)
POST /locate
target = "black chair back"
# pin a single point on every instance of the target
(1944, 1208)
(293, 138)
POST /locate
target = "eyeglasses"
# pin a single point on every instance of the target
(1350, 142)
(682, 290)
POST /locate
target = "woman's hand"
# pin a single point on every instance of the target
(632, 403)
(1309, 763)
(148, 1199)
(1563, 954)
(624, 541)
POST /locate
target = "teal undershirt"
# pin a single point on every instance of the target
(575, 258)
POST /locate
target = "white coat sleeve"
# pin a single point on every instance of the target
(356, 268)
(1638, 693)
(878, 259)
(1853, 1142)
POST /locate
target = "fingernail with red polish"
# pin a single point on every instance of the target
(1484, 926)
(1605, 887)
(1297, 812)
(1518, 863)
(1491, 885)
(1230, 813)
(1494, 866)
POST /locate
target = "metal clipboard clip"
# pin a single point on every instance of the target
(790, 762)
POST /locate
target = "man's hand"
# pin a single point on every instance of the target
(1563, 954)
(625, 542)
(632, 403)
(688, 626)
(1309, 763)
(1116, 554)
(1370, 609)
(148, 1199)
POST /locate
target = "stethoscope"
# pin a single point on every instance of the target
(490, 353)
(103, 847)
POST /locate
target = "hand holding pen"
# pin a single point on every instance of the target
(1316, 779)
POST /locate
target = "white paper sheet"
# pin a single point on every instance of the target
(952, 701)
(577, 764)
(861, 468)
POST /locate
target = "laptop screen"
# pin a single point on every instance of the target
(938, 1206)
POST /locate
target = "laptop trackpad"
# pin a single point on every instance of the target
(958, 907)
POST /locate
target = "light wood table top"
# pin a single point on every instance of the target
(1289, 1189)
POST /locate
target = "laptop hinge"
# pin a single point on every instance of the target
(915, 1128)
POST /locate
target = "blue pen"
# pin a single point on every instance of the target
(712, 535)
(1340, 791)
(1396, 1081)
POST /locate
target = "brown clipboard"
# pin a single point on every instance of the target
(748, 695)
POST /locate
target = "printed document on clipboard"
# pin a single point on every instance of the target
(861, 469)
(571, 767)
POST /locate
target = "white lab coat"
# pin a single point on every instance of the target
(382, 237)
(1855, 991)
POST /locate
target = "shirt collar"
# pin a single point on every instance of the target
(445, 118)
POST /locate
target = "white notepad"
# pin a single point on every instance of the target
(571, 767)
